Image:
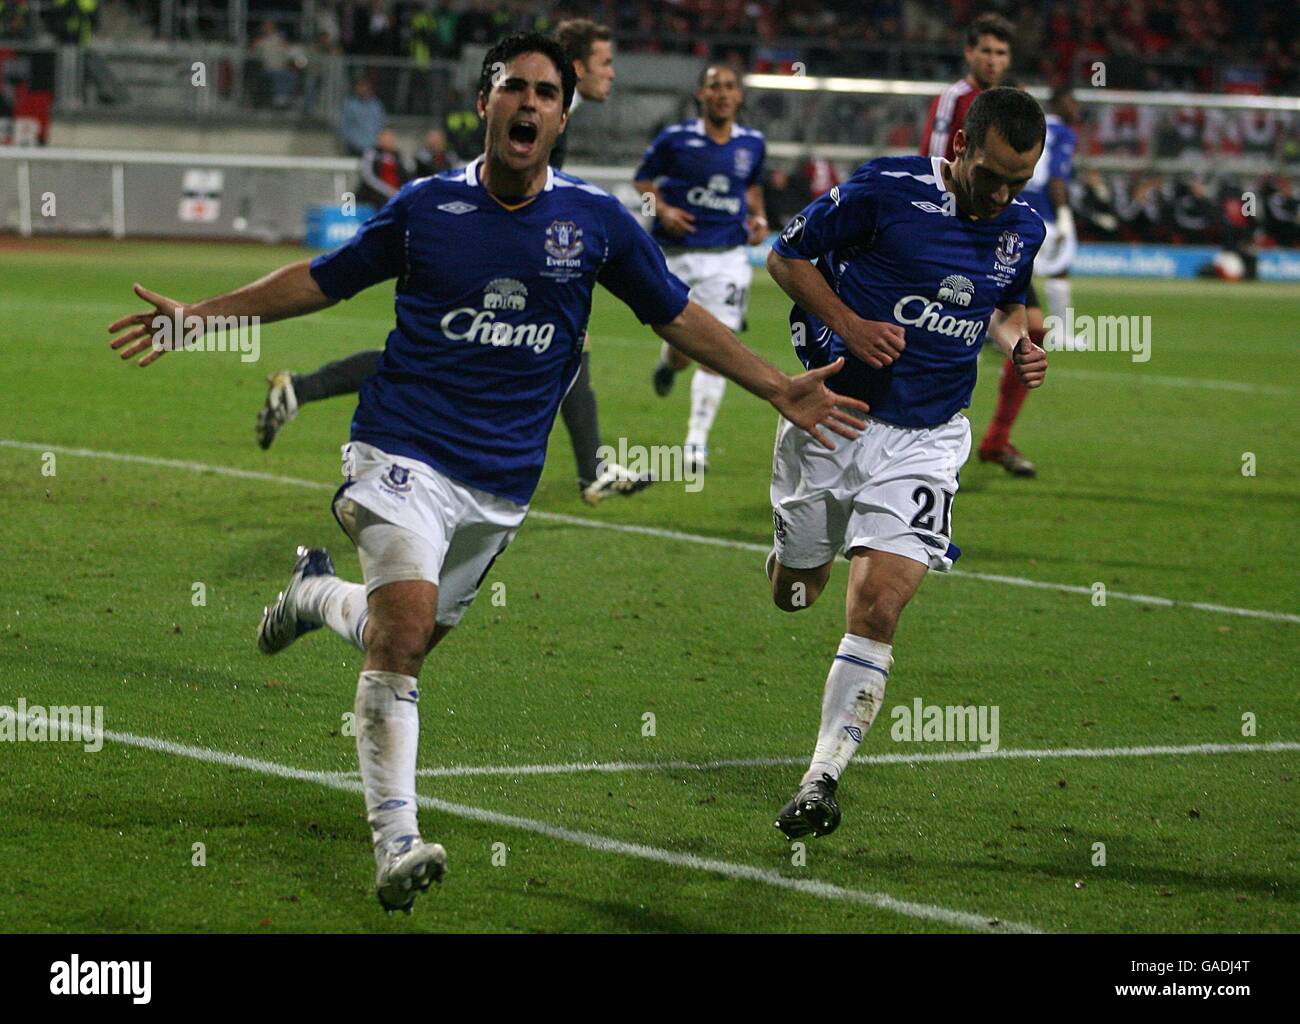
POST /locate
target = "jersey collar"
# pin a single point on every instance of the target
(697, 126)
(473, 180)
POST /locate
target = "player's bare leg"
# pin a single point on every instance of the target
(996, 444)
(880, 585)
(796, 589)
(400, 631)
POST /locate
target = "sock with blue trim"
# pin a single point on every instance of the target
(388, 736)
(855, 688)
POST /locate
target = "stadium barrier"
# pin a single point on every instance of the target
(48, 191)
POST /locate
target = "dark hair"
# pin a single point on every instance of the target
(719, 65)
(507, 49)
(579, 37)
(989, 25)
(1015, 114)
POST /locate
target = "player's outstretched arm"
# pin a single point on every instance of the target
(804, 400)
(1009, 329)
(284, 293)
(875, 342)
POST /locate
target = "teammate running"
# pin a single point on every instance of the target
(905, 293)
(593, 61)
(1048, 192)
(496, 264)
(988, 56)
(705, 176)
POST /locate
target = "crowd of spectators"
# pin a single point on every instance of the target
(1154, 44)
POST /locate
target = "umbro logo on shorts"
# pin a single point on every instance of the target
(778, 524)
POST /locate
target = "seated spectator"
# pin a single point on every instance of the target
(432, 157)
(383, 171)
(361, 119)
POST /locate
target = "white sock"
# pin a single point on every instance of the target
(1057, 290)
(336, 603)
(388, 734)
(855, 688)
(664, 349)
(706, 395)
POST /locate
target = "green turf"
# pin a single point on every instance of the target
(1141, 489)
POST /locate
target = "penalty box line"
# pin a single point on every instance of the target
(593, 841)
(645, 531)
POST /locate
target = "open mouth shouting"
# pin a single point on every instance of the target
(521, 137)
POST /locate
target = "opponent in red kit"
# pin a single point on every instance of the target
(988, 56)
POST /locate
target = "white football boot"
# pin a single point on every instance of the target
(407, 866)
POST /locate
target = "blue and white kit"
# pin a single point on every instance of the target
(449, 436)
(883, 243)
(709, 180)
(1060, 246)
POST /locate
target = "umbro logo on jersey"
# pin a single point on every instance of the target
(457, 207)
(835, 195)
(927, 206)
(695, 142)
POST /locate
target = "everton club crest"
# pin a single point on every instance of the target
(563, 240)
(1009, 248)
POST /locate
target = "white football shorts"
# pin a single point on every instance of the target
(719, 280)
(891, 489)
(410, 522)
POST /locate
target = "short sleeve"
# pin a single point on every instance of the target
(756, 175)
(635, 271)
(843, 216)
(654, 162)
(1063, 156)
(377, 252)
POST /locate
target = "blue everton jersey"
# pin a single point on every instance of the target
(491, 308)
(886, 248)
(707, 179)
(1057, 161)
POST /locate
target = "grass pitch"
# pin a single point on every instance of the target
(1141, 489)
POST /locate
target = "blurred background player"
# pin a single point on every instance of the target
(988, 56)
(904, 294)
(705, 176)
(593, 61)
(1048, 192)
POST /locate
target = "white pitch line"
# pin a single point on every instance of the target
(593, 841)
(1141, 377)
(647, 531)
(1070, 372)
(949, 757)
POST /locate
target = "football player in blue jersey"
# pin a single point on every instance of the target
(495, 266)
(901, 271)
(590, 46)
(705, 179)
(1048, 192)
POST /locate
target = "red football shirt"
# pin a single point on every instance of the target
(947, 114)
